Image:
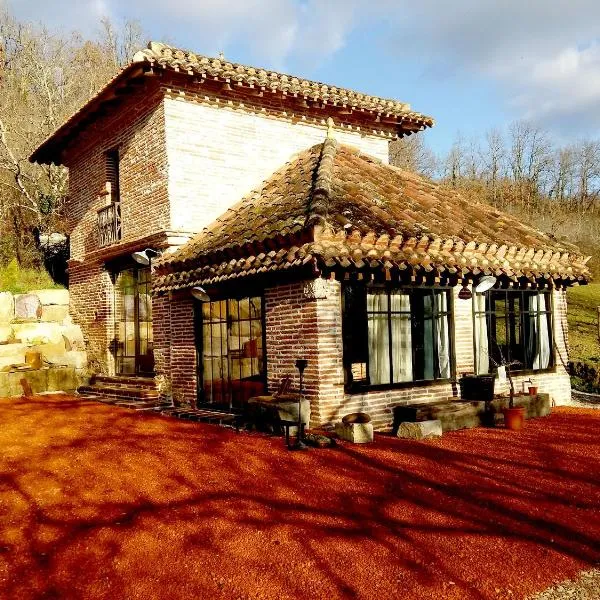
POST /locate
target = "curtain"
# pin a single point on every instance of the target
(378, 334)
(482, 359)
(443, 335)
(401, 337)
(539, 341)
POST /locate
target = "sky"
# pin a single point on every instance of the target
(473, 65)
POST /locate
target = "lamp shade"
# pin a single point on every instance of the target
(200, 294)
(485, 283)
(141, 258)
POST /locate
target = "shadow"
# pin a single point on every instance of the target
(102, 502)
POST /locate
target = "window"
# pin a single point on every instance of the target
(394, 336)
(513, 326)
(112, 174)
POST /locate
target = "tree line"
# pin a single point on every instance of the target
(521, 170)
(44, 78)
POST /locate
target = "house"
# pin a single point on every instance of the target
(272, 228)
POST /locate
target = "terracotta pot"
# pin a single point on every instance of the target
(514, 418)
(533, 390)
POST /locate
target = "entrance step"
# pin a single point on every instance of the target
(139, 393)
(125, 380)
(202, 416)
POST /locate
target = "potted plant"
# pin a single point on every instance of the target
(514, 416)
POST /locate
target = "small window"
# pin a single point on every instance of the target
(395, 336)
(513, 327)
(112, 174)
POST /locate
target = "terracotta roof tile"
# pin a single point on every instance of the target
(334, 205)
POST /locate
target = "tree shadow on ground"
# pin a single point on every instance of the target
(102, 502)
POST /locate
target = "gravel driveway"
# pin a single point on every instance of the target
(99, 502)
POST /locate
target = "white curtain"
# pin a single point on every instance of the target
(378, 333)
(401, 337)
(482, 359)
(539, 340)
(443, 335)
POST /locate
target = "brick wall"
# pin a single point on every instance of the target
(300, 327)
(217, 154)
(175, 346)
(331, 402)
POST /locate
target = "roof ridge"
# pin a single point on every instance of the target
(318, 208)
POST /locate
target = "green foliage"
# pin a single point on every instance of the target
(583, 335)
(19, 280)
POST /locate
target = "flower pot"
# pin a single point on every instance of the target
(514, 418)
(533, 390)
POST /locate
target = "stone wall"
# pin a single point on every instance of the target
(39, 321)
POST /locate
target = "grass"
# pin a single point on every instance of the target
(19, 280)
(583, 323)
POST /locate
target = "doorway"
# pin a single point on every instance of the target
(231, 357)
(134, 352)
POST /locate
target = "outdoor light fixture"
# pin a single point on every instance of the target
(144, 257)
(485, 283)
(200, 294)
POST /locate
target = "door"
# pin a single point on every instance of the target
(231, 352)
(133, 322)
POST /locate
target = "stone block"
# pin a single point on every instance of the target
(420, 429)
(288, 411)
(73, 337)
(6, 334)
(357, 433)
(62, 379)
(27, 307)
(50, 297)
(35, 334)
(54, 313)
(12, 354)
(7, 307)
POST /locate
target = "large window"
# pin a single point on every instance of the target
(394, 336)
(513, 327)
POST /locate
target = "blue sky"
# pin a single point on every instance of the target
(471, 64)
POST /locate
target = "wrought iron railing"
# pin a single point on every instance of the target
(109, 224)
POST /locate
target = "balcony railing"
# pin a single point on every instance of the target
(109, 224)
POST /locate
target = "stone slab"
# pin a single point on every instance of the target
(466, 414)
(12, 354)
(7, 307)
(54, 313)
(6, 334)
(49, 297)
(357, 433)
(27, 307)
(42, 380)
(420, 430)
(35, 334)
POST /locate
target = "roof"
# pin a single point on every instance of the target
(346, 106)
(338, 208)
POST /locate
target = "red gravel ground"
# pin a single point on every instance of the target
(101, 502)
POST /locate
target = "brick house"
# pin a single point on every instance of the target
(271, 199)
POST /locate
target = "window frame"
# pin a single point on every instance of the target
(352, 386)
(489, 313)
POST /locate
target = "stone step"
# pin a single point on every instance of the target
(120, 391)
(125, 381)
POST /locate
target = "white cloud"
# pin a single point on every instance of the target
(541, 55)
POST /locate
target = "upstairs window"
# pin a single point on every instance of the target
(112, 174)
(393, 336)
(513, 326)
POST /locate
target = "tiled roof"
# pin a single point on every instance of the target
(242, 75)
(345, 105)
(340, 209)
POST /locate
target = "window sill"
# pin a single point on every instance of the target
(363, 388)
